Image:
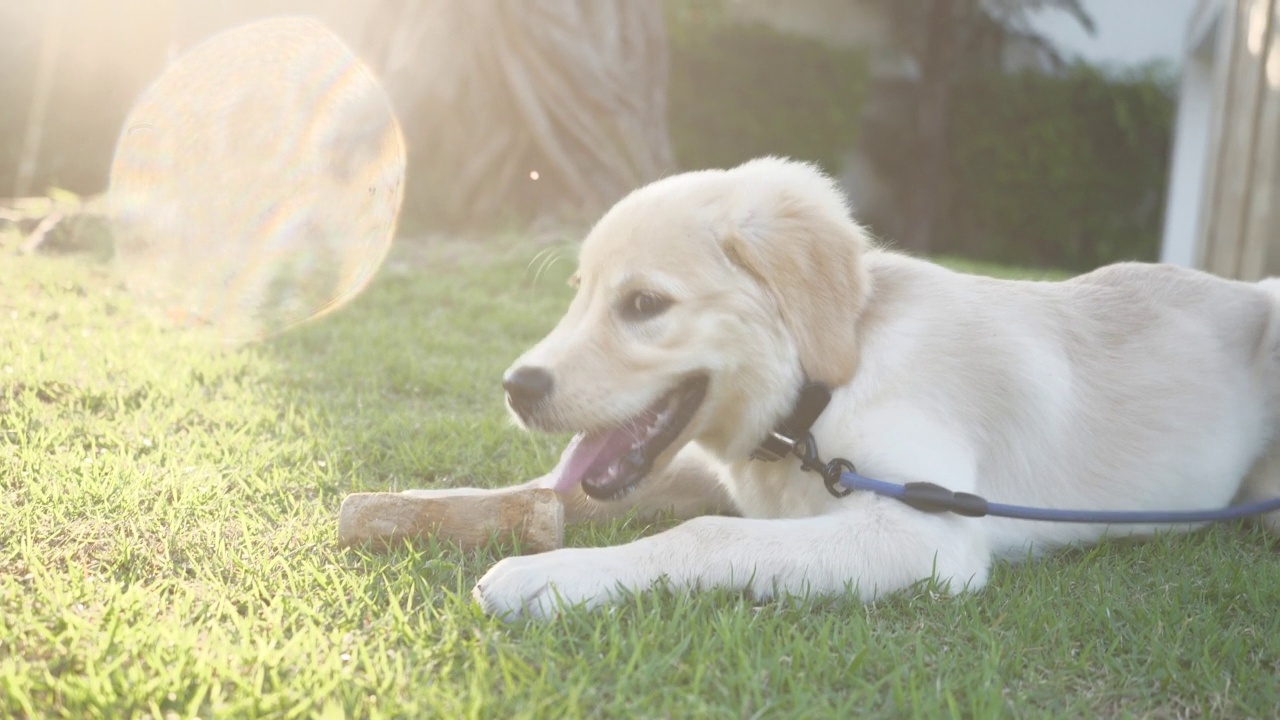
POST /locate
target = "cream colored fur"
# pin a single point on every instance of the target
(1133, 387)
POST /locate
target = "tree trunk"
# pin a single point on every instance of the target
(46, 67)
(515, 109)
(511, 109)
(930, 191)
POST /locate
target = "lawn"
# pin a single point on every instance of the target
(168, 521)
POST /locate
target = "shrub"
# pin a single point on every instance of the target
(738, 91)
(1061, 170)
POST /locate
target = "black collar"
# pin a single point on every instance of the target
(809, 405)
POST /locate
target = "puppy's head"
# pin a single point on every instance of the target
(704, 301)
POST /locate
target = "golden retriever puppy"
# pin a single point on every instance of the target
(707, 300)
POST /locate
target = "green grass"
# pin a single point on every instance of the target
(167, 545)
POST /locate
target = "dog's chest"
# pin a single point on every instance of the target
(897, 442)
(779, 490)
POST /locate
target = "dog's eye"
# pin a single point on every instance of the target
(642, 305)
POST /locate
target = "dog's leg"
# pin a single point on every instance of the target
(874, 546)
(1263, 483)
(687, 488)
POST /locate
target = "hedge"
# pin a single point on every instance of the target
(738, 91)
(1065, 171)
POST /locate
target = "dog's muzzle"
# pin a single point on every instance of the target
(526, 387)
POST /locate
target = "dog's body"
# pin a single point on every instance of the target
(708, 299)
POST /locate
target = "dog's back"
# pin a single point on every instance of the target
(1136, 386)
(1183, 382)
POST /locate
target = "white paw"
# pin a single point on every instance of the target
(539, 586)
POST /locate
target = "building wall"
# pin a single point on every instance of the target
(1203, 77)
(1229, 165)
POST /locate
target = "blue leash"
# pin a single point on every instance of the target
(792, 437)
(935, 498)
(842, 478)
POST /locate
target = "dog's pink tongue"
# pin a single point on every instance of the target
(586, 454)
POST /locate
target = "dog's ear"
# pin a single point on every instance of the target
(807, 253)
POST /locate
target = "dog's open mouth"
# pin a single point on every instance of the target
(610, 462)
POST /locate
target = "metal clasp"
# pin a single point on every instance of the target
(775, 447)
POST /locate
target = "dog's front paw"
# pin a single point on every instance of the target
(539, 586)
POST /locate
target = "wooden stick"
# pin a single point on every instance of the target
(468, 517)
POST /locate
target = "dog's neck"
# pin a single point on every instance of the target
(778, 443)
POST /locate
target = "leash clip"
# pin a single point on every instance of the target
(807, 451)
(774, 447)
(831, 477)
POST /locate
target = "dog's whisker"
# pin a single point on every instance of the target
(545, 259)
(551, 261)
(538, 258)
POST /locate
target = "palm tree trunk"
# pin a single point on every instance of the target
(930, 192)
(511, 109)
(524, 108)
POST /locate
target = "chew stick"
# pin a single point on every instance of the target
(468, 517)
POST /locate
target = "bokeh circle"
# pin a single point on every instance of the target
(257, 183)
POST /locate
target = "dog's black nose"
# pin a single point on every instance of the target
(526, 386)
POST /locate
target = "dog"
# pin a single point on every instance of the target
(707, 300)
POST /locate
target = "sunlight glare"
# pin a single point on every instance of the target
(256, 184)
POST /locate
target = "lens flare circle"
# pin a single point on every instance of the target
(256, 184)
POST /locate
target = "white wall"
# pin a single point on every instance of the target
(1192, 129)
(1203, 75)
